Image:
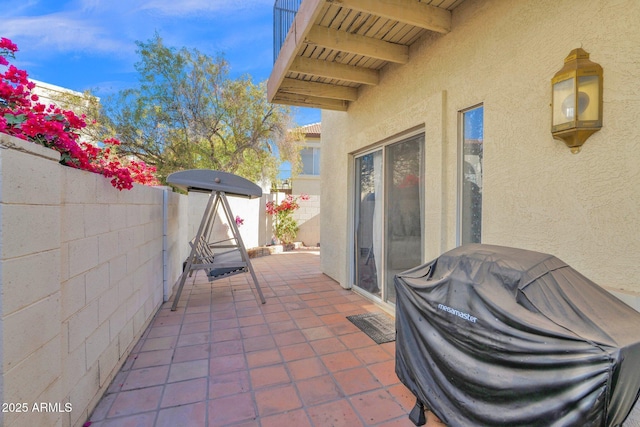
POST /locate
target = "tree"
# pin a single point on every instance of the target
(188, 113)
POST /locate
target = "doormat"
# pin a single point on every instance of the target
(378, 326)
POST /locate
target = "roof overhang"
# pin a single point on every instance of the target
(336, 46)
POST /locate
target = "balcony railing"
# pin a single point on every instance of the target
(284, 12)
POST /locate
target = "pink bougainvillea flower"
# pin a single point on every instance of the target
(22, 116)
(8, 45)
(285, 226)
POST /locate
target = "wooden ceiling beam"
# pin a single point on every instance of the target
(357, 44)
(410, 12)
(334, 70)
(321, 90)
(310, 101)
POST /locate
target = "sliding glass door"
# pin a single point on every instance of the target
(389, 216)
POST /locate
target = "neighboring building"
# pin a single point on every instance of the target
(308, 182)
(50, 94)
(437, 122)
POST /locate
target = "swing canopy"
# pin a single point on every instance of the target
(206, 181)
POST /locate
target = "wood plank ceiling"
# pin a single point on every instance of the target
(335, 46)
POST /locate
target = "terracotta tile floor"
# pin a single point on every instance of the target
(223, 359)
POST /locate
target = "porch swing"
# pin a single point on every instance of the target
(219, 258)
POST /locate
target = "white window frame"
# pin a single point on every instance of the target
(460, 171)
(315, 155)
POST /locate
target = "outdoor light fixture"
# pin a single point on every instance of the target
(576, 100)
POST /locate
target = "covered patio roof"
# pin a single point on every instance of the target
(336, 46)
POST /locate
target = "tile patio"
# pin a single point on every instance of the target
(223, 359)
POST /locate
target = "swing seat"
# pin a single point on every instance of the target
(217, 273)
(226, 264)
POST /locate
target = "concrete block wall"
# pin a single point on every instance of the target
(176, 238)
(30, 259)
(308, 217)
(81, 276)
(252, 212)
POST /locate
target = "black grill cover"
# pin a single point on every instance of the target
(495, 336)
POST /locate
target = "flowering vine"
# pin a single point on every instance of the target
(285, 226)
(22, 116)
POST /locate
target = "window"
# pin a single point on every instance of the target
(470, 170)
(310, 157)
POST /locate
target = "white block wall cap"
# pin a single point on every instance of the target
(13, 143)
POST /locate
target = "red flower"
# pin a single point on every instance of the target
(22, 116)
(285, 226)
(6, 44)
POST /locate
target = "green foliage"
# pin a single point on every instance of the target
(285, 227)
(188, 113)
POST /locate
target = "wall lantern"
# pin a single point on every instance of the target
(576, 100)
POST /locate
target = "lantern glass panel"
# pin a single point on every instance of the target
(564, 102)
(588, 98)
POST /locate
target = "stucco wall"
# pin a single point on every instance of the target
(306, 184)
(81, 276)
(537, 195)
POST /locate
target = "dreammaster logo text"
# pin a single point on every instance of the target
(465, 316)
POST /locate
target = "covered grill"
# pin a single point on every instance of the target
(495, 336)
(220, 258)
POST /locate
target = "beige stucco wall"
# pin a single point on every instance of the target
(306, 184)
(537, 195)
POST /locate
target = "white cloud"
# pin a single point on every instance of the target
(18, 7)
(112, 26)
(60, 32)
(192, 7)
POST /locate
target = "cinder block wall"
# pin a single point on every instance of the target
(241, 207)
(308, 217)
(81, 275)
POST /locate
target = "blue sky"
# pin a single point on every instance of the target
(90, 44)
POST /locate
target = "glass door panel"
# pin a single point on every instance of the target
(404, 210)
(368, 212)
